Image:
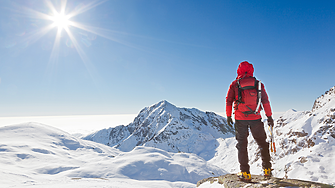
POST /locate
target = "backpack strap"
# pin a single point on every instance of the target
(259, 96)
(239, 94)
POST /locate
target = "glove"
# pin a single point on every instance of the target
(230, 121)
(270, 121)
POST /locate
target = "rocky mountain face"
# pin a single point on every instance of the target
(298, 130)
(170, 128)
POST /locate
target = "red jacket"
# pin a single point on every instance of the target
(245, 70)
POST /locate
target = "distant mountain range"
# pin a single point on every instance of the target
(170, 128)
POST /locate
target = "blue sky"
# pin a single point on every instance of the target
(139, 52)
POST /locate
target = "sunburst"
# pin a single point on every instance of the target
(60, 19)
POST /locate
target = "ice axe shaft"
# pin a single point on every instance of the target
(273, 146)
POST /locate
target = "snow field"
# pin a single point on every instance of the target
(36, 154)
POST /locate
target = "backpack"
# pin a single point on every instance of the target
(249, 95)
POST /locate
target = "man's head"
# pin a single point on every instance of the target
(245, 69)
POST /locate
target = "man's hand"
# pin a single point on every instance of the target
(230, 121)
(270, 121)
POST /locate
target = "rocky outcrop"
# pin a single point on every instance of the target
(231, 181)
(324, 99)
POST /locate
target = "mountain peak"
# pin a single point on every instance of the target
(161, 105)
(164, 104)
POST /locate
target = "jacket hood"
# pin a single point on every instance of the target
(245, 69)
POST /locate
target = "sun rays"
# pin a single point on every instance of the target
(61, 21)
(59, 18)
(64, 27)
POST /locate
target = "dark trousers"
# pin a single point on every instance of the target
(257, 131)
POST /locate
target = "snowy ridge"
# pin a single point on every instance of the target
(40, 155)
(170, 128)
(306, 144)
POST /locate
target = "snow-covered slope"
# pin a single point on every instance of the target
(31, 152)
(167, 127)
(43, 156)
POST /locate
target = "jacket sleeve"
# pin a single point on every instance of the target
(230, 98)
(266, 102)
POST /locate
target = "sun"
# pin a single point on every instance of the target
(60, 20)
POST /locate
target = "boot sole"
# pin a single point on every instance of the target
(244, 180)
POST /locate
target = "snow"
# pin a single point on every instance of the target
(38, 155)
(41, 155)
(107, 183)
(211, 185)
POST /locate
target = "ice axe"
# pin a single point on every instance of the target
(273, 145)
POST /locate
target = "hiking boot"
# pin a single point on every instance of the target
(267, 172)
(244, 176)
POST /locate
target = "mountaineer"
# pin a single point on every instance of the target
(247, 94)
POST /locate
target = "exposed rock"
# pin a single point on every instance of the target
(323, 99)
(231, 181)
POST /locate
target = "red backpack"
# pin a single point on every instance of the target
(249, 95)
